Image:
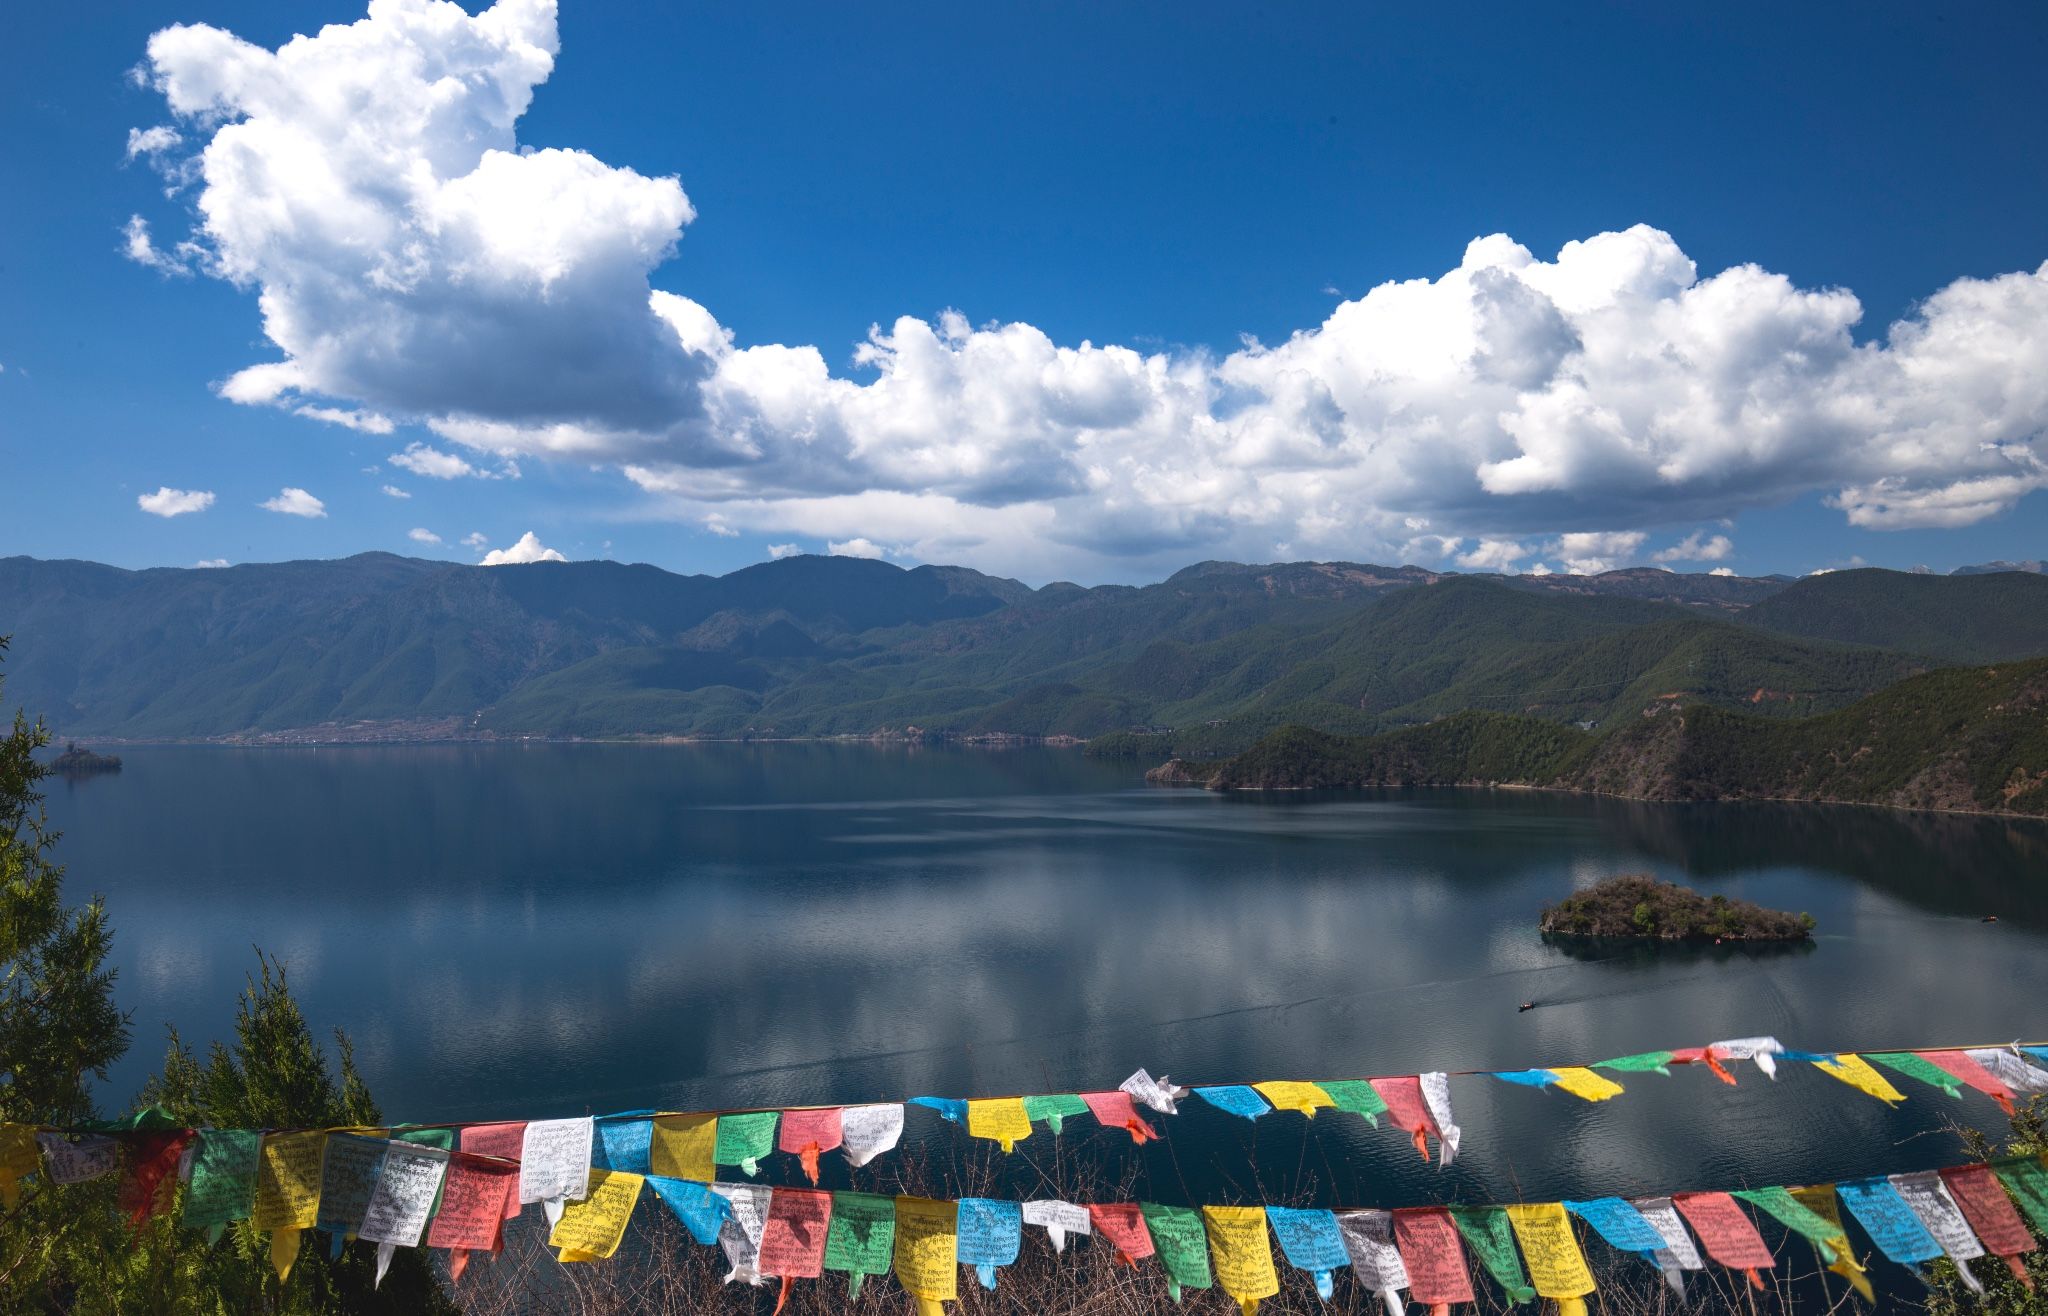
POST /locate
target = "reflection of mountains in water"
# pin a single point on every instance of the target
(1648, 952)
(1959, 864)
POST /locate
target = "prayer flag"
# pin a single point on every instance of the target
(554, 1163)
(1355, 1096)
(1123, 1224)
(793, 1237)
(1644, 1062)
(223, 1184)
(1727, 1234)
(19, 1158)
(1304, 1097)
(1236, 1099)
(1959, 1064)
(1925, 1193)
(408, 1184)
(1057, 1219)
(702, 1211)
(1408, 1110)
(2027, 1180)
(681, 1147)
(1822, 1201)
(1182, 1245)
(808, 1133)
(1486, 1232)
(861, 1237)
(504, 1141)
(68, 1159)
(1431, 1257)
(1888, 1219)
(1161, 1093)
(1619, 1223)
(2008, 1066)
(744, 1139)
(1376, 1258)
(592, 1225)
(1311, 1241)
(1857, 1073)
(991, 1232)
(1002, 1120)
(287, 1192)
(623, 1144)
(349, 1165)
(1115, 1111)
(1586, 1085)
(471, 1217)
(740, 1236)
(1676, 1254)
(868, 1131)
(1998, 1226)
(1556, 1266)
(1054, 1109)
(927, 1242)
(1241, 1255)
(1914, 1066)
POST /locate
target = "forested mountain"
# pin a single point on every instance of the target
(384, 646)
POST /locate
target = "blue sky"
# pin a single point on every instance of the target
(1158, 182)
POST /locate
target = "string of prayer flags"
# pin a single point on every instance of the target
(1889, 1221)
(2010, 1067)
(927, 1246)
(504, 1141)
(1115, 1111)
(624, 1144)
(1822, 1201)
(991, 1232)
(1991, 1215)
(2027, 1180)
(743, 1140)
(471, 1216)
(591, 1226)
(1857, 1073)
(1235, 1099)
(1486, 1231)
(1727, 1233)
(222, 1188)
(1960, 1065)
(1161, 1094)
(1643, 1062)
(740, 1236)
(554, 1163)
(1376, 1258)
(1431, 1257)
(19, 1158)
(1123, 1224)
(1619, 1223)
(1676, 1254)
(1241, 1254)
(1918, 1067)
(1556, 1266)
(287, 1192)
(1057, 1219)
(69, 1160)
(793, 1237)
(807, 1134)
(1182, 1245)
(682, 1147)
(1054, 1109)
(408, 1184)
(1311, 1241)
(700, 1210)
(1304, 1097)
(860, 1239)
(1002, 1120)
(1930, 1201)
(865, 1132)
(1355, 1096)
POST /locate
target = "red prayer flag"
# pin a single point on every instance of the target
(1991, 1215)
(793, 1239)
(473, 1211)
(1115, 1111)
(1123, 1224)
(1407, 1109)
(505, 1141)
(1726, 1232)
(1959, 1065)
(152, 1168)
(1429, 1246)
(806, 1134)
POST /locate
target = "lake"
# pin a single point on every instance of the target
(535, 930)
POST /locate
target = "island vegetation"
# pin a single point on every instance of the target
(1638, 905)
(77, 761)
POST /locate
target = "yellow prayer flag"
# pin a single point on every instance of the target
(682, 1146)
(1820, 1199)
(592, 1227)
(1002, 1120)
(1556, 1266)
(18, 1159)
(288, 1192)
(1304, 1097)
(1243, 1254)
(1858, 1073)
(1585, 1084)
(927, 1251)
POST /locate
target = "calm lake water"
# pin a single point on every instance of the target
(549, 930)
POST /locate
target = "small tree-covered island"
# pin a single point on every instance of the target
(1638, 905)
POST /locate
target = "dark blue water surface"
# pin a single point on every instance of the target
(524, 931)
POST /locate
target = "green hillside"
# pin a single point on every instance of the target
(1977, 618)
(1959, 738)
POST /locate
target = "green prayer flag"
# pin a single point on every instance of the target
(1054, 1109)
(744, 1139)
(223, 1187)
(1643, 1062)
(2026, 1179)
(1488, 1233)
(1813, 1227)
(1356, 1095)
(1182, 1245)
(443, 1138)
(861, 1238)
(1912, 1066)
(150, 1119)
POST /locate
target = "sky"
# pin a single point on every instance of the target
(1059, 291)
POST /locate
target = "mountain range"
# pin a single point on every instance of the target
(1204, 663)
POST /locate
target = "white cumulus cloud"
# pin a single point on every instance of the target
(1590, 552)
(1696, 547)
(168, 502)
(393, 491)
(477, 540)
(855, 547)
(528, 549)
(421, 536)
(421, 459)
(152, 141)
(414, 262)
(210, 563)
(777, 552)
(294, 502)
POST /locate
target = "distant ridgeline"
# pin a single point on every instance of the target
(1202, 665)
(1973, 738)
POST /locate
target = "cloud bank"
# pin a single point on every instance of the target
(414, 263)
